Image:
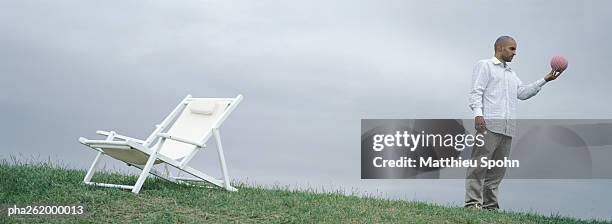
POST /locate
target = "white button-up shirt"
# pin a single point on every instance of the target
(495, 93)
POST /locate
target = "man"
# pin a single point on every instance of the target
(493, 98)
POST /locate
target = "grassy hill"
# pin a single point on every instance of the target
(163, 202)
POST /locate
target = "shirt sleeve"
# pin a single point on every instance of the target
(529, 90)
(480, 78)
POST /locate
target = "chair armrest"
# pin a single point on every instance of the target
(107, 133)
(167, 136)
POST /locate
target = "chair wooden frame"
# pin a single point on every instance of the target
(152, 145)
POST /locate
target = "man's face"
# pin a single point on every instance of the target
(508, 50)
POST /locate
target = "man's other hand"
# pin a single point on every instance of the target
(480, 124)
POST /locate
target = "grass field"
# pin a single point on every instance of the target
(163, 202)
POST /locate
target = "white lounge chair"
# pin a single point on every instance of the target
(174, 142)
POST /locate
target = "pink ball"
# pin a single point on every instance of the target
(558, 63)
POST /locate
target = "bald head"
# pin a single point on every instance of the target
(501, 41)
(505, 48)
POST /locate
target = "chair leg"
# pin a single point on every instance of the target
(92, 168)
(226, 180)
(145, 172)
(94, 165)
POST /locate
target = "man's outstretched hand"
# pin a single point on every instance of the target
(552, 75)
(480, 124)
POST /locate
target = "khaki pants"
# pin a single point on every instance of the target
(481, 184)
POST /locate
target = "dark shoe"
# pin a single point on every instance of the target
(491, 208)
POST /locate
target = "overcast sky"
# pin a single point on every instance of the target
(309, 71)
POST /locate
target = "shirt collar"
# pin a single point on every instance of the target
(498, 62)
